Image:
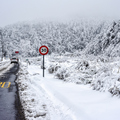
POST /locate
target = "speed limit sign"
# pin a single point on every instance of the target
(43, 50)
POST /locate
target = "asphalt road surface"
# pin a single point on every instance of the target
(10, 107)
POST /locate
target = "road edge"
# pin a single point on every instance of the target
(20, 111)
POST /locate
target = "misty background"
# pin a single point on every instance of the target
(12, 11)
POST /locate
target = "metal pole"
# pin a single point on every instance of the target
(43, 65)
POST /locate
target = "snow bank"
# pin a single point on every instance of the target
(32, 102)
(4, 65)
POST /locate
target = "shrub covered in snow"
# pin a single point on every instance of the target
(53, 68)
(115, 90)
(107, 78)
(101, 73)
(82, 65)
(62, 73)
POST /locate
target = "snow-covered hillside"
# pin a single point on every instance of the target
(107, 43)
(90, 37)
(59, 37)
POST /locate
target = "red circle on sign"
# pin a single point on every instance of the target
(43, 50)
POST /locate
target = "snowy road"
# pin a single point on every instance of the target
(76, 102)
(9, 101)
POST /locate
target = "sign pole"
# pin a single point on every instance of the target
(43, 51)
(43, 65)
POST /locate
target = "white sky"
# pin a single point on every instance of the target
(12, 11)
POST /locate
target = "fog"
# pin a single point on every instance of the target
(12, 11)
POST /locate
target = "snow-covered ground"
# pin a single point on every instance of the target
(4, 66)
(50, 98)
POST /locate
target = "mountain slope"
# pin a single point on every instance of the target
(59, 37)
(107, 43)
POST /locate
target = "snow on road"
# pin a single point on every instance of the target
(69, 101)
(5, 66)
